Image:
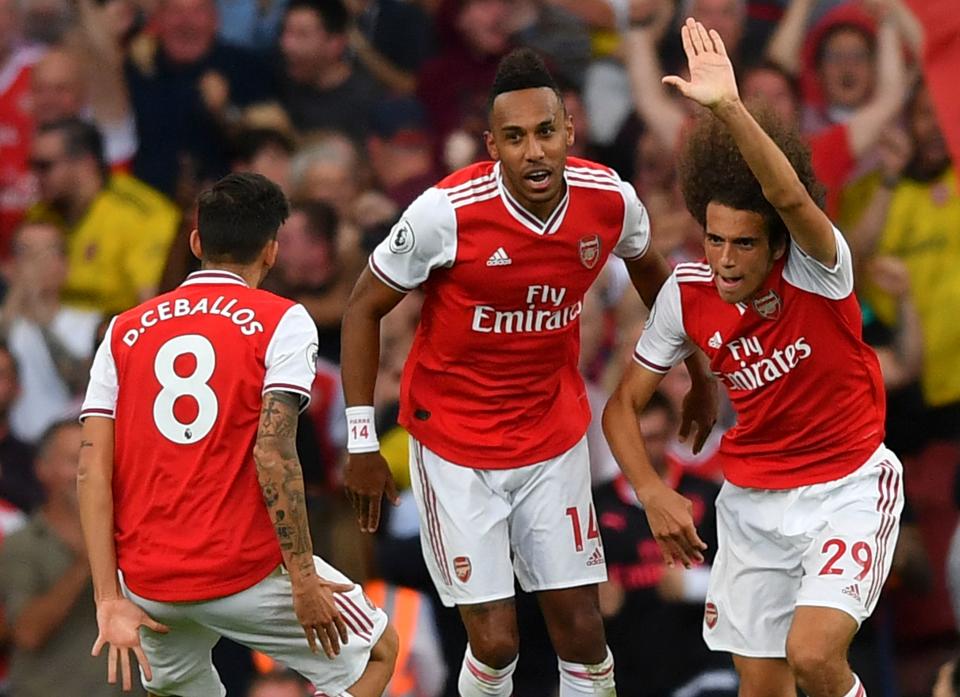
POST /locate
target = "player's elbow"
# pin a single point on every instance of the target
(613, 412)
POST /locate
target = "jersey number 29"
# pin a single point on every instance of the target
(174, 386)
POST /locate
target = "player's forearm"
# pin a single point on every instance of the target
(868, 123)
(648, 274)
(281, 482)
(865, 234)
(95, 495)
(787, 41)
(650, 99)
(359, 354)
(625, 440)
(45, 614)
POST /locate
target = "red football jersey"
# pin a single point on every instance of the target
(491, 380)
(807, 390)
(183, 375)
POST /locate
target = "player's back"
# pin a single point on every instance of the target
(191, 367)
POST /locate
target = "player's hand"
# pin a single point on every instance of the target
(318, 614)
(671, 519)
(366, 480)
(712, 81)
(118, 623)
(699, 407)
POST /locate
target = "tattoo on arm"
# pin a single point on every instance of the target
(281, 478)
(86, 444)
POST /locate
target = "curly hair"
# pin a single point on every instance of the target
(711, 168)
(521, 69)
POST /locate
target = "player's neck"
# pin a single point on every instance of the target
(253, 274)
(541, 209)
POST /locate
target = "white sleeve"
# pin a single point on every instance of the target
(101, 398)
(804, 272)
(635, 235)
(424, 239)
(664, 342)
(291, 358)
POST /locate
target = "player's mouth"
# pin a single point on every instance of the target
(538, 179)
(729, 284)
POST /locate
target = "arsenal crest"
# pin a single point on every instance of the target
(710, 615)
(590, 250)
(461, 566)
(768, 305)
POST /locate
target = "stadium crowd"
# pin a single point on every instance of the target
(115, 114)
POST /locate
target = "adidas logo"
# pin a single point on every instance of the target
(853, 591)
(499, 258)
(596, 558)
(716, 341)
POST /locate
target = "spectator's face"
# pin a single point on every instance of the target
(56, 87)
(9, 384)
(187, 29)
(56, 171)
(931, 154)
(725, 16)
(738, 250)
(307, 46)
(484, 25)
(846, 69)
(330, 182)
(657, 430)
(772, 89)
(57, 467)
(273, 162)
(529, 134)
(399, 159)
(38, 249)
(655, 170)
(304, 260)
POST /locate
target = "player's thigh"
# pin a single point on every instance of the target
(180, 660)
(850, 555)
(463, 530)
(553, 526)
(755, 576)
(262, 618)
(764, 677)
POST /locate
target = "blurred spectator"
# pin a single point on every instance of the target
(18, 482)
(915, 218)
(186, 87)
(328, 170)
(283, 683)
(400, 149)
(643, 592)
(118, 229)
(45, 581)
(948, 680)
(264, 151)
(11, 520)
(391, 40)
(53, 344)
(557, 34)
(453, 85)
(251, 24)
(320, 87)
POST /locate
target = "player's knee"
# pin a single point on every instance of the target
(811, 660)
(496, 651)
(387, 648)
(580, 637)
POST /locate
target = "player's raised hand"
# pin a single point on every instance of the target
(317, 613)
(119, 622)
(366, 480)
(671, 520)
(712, 81)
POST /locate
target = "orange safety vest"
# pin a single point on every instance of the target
(402, 606)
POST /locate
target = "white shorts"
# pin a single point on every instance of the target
(262, 618)
(473, 521)
(828, 545)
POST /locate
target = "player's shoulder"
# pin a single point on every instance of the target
(693, 272)
(586, 174)
(472, 184)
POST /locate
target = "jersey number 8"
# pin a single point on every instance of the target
(174, 386)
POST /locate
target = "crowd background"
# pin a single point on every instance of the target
(114, 114)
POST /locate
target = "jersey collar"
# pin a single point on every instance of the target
(214, 277)
(525, 217)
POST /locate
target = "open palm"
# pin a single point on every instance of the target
(711, 74)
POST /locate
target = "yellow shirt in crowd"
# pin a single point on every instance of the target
(118, 250)
(923, 230)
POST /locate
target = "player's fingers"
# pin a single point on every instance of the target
(332, 632)
(391, 491)
(718, 42)
(144, 663)
(112, 665)
(363, 510)
(703, 432)
(686, 422)
(666, 551)
(693, 539)
(126, 682)
(97, 646)
(324, 639)
(373, 516)
(311, 638)
(155, 626)
(342, 629)
(705, 38)
(695, 37)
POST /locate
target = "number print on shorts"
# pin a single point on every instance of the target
(861, 554)
(593, 532)
(194, 385)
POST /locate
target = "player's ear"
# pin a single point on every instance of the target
(195, 245)
(270, 253)
(571, 132)
(491, 144)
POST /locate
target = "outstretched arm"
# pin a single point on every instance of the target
(712, 84)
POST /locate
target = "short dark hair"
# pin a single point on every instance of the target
(50, 433)
(521, 69)
(821, 48)
(322, 219)
(249, 142)
(80, 138)
(333, 14)
(238, 216)
(770, 66)
(713, 170)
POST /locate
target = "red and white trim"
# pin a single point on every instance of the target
(380, 274)
(888, 490)
(650, 365)
(434, 534)
(97, 411)
(693, 272)
(213, 276)
(354, 617)
(301, 392)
